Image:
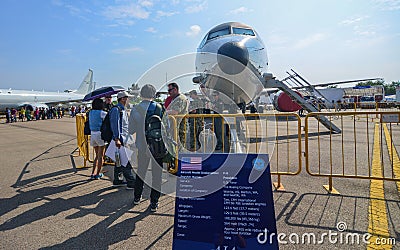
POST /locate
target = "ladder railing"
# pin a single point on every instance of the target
(272, 83)
(307, 88)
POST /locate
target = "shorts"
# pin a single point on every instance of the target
(95, 139)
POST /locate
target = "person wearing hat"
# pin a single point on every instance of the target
(196, 106)
(119, 126)
(147, 107)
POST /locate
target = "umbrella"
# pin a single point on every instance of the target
(102, 92)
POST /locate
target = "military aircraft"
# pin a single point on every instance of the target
(31, 100)
(232, 59)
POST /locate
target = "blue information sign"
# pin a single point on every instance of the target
(224, 202)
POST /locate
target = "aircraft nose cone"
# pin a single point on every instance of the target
(232, 58)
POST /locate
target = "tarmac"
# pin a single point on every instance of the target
(48, 203)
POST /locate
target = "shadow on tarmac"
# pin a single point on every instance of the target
(325, 211)
(19, 181)
(111, 205)
(101, 202)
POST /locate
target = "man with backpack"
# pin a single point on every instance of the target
(118, 118)
(145, 121)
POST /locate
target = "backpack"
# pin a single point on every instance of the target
(153, 130)
(105, 129)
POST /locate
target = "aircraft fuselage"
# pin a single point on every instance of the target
(19, 98)
(230, 59)
(39, 99)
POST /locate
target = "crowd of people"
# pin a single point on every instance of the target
(27, 114)
(14, 115)
(124, 126)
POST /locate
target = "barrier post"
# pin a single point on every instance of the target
(175, 130)
(278, 185)
(330, 187)
(82, 139)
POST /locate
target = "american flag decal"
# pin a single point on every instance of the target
(191, 163)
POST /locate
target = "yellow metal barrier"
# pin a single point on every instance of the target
(173, 149)
(358, 106)
(387, 106)
(365, 106)
(278, 134)
(351, 153)
(82, 140)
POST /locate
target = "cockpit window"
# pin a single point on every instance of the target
(203, 42)
(218, 33)
(242, 31)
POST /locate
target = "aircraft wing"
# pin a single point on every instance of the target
(74, 100)
(274, 90)
(337, 83)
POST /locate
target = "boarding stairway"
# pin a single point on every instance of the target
(301, 83)
(297, 82)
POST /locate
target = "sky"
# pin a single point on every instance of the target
(51, 44)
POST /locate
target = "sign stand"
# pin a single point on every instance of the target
(224, 202)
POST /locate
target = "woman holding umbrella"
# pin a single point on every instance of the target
(96, 117)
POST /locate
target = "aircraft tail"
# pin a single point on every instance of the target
(87, 84)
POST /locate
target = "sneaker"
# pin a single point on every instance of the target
(136, 201)
(118, 184)
(92, 177)
(153, 206)
(99, 176)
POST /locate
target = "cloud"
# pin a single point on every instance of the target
(303, 43)
(361, 28)
(124, 51)
(72, 9)
(196, 8)
(57, 2)
(194, 30)
(240, 10)
(364, 31)
(353, 20)
(277, 40)
(122, 22)
(128, 36)
(151, 30)
(389, 5)
(122, 12)
(65, 52)
(365, 42)
(146, 3)
(161, 13)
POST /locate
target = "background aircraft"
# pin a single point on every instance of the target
(39, 99)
